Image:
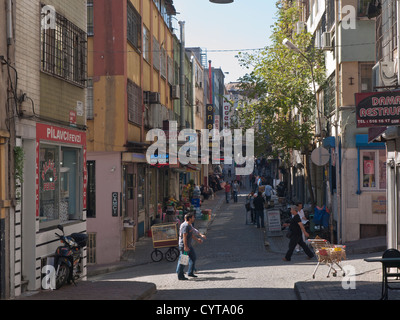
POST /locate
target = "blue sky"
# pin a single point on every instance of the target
(243, 24)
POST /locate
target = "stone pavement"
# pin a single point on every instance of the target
(119, 290)
(368, 275)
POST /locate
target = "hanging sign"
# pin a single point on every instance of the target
(377, 109)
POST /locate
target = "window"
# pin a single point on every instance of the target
(90, 18)
(91, 189)
(373, 169)
(366, 77)
(363, 7)
(63, 51)
(134, 103)
(156, 54)
(146, 44)
(60, 187)
(134, 25)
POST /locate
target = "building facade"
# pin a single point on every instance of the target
(133, 67)
(50, 136)
(354, 192)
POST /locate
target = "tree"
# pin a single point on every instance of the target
(283, 110)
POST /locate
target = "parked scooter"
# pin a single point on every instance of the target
(68, 257)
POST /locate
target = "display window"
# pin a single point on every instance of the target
(61, 176)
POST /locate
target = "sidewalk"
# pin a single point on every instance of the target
(367, 278)
(120, 290)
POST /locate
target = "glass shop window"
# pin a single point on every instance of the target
(60, 185)
(373, 169)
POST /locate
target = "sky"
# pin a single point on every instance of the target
(243, 24)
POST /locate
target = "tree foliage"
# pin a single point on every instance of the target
(282, 106)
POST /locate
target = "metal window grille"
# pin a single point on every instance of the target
(134, 26)
(134, 103)
(63, 51)
(91, 248)
(89, 100)
(90, 26)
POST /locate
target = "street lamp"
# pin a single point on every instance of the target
(293, 47)
(221, 1)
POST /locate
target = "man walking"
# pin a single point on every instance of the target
(268, 193)
(259, 209)
(296, 229)
(235, 189)
(186, 234)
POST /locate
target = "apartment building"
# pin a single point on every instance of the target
(7, 143)
(134, 60)
(353, 183)
(49, 40)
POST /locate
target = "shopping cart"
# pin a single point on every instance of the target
(328, 254)
(165, 235)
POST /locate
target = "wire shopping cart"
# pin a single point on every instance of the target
(328, 254)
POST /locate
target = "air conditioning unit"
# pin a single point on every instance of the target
(326, 41)
(154, 98)
(155, 116)
(301, 27)
(175, 92)
(384, 74)
(388, 73)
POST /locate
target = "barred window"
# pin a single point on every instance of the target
(146, 44)
(63, 51)
(89, 100)
(90, 18)
(134, 26)
(134, 103)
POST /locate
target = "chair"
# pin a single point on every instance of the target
(387, 274)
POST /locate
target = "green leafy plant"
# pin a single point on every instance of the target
(282, 106)
(19, 157)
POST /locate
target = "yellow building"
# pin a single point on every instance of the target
(132, 78)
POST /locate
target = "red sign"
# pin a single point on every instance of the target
(377, 109)
(369, 167)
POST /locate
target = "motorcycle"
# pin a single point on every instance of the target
(67, 262)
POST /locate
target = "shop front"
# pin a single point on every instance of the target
(60, 197)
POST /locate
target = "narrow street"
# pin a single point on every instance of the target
(233, 264)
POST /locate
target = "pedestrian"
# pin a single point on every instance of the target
(303, 219)
(227, 191)
(235, 189)
(268, 193)
(186, 234)
(170, 212)
(259, 209)
(296, 229)
(248, 206)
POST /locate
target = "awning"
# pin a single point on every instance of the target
(362, 141)
(134, 157)
(192, 167)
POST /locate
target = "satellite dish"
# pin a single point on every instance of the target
(320, 156)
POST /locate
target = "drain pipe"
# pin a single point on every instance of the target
(182, 76)
(9, 22)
